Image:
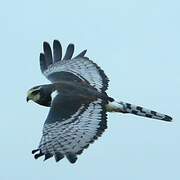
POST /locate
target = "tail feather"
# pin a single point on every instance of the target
(137, 110)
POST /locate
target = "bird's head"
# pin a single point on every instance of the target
(40, 95)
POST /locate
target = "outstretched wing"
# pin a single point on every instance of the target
(80, 68)
(71, 127)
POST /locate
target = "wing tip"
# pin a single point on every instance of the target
(42, 61)
(81, 54)
(69, 51)
(45, 44)
(72, 158)
(56, 41)
(58, 156)
(47, 156)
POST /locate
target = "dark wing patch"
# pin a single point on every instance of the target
(70, 136)
(63, 107)
(43, 65)
(57, 51)
(80, 67)
(69, 52)
(47, 53)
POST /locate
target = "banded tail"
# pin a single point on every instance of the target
(137, 110)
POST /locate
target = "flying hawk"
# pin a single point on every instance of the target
(78, 103)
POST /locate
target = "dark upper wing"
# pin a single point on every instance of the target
(80, 68)
(70, 127)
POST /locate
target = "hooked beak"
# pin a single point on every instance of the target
(27, 99)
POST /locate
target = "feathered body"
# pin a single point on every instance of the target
(77, 115)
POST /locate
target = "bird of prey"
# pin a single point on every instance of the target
(78, 103)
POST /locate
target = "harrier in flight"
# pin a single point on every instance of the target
(78, 103)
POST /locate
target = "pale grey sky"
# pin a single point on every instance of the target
(137, 43)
